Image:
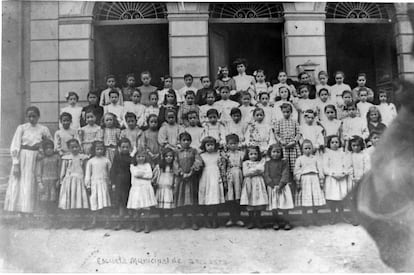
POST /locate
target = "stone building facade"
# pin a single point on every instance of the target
(52, 47)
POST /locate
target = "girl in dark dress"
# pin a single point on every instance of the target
(121, 178)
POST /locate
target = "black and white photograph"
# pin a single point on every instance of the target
(206, 137)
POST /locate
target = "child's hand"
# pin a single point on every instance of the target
(113, 187)
(16, 170)
(290, 145)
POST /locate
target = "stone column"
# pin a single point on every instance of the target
(188, 39)
(44, 60)
(304, 36)
(404, 38)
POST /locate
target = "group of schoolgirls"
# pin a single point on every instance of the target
(198, 149)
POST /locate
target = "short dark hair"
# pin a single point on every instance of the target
(184, 135)
(33, 109)
(110, 76)
(71, 141)
(275, 146)
(232, 137)
(286, 106)
(113, 91)
(189, 92)
(329, 139)
(47, 142)
(206, 140)
(65, 114)
(130, 115)
(72, 93)
(253, 147)
(187, 76)
(358, 139)
(130, 75)
(94, 144)
(124, 140)
(234, 111)
(212, 111)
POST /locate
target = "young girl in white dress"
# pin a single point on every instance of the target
(163, 180)
(259, 133)
(339, 88)
(214, 128)
(323, 84)
(24, 150)
(285, 97)
(337, 170)
(141, 195)
(312, 132)
(269, 112)
(322, 101)
(98, 185)
(90, 132)
(212, 181)
(277, 178)
(387, 110)
(275, 93)
(254, 193)
(261, 86)
(360, 164)
(73, 196)
(309, 176)
(73, 109)
(64, 134)
(304, 103)
(331, 126)
(194, 129)
(246, 108)
(236, 126)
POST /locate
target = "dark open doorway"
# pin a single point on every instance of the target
(123, 49)
(260, 43)
(367, 48)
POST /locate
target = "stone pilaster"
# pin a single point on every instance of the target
(404, 38)
(188, 41)
(304, 36)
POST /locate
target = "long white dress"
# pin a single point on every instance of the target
(20, 194)
(336, 161)
(210, 190)
(97, 179)
(141, 194)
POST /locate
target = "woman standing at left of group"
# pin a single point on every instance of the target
(21, 190)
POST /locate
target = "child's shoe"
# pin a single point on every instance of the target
(229, 223)
(287, 227)
(259, 223)
(194, 224)
(240, 223)
(276, 226)
(137, 227)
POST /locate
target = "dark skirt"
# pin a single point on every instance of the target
(122, 185)
(186, 192)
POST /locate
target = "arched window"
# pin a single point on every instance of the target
(357, 11)
(129, 11)
(246, 11)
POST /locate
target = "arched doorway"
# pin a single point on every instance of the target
(250, 30)
(130, 37)
(360, 38)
